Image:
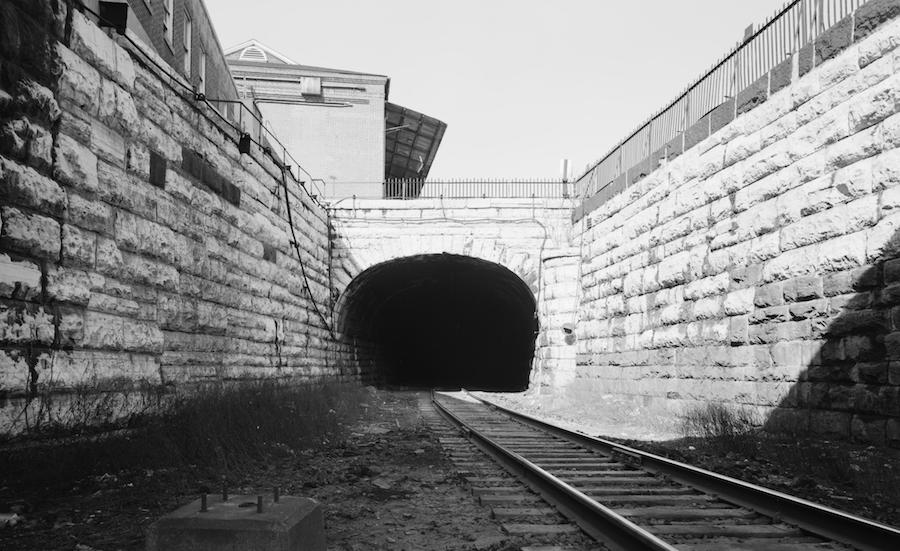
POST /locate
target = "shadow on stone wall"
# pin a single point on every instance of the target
(849, 386)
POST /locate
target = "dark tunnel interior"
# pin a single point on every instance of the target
(442, 321)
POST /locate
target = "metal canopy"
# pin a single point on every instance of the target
(411, 142)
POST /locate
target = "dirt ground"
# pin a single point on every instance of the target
(857, 478)
(387, 486)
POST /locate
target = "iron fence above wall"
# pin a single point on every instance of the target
(478, 187)
(717, 93)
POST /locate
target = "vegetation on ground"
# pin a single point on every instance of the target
(216, 428)
(856, 477)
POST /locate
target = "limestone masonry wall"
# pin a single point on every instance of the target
(138, 246)
(760, 268)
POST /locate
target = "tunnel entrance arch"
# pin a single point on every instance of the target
(440, 321)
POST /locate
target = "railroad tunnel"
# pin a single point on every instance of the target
(441, 321)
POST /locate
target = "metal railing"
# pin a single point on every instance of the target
(498, 188)
(799, 23)
(251, 122)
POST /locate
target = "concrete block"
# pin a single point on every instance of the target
(805, 59)
(834, 40)
(696, 133)
(780, 75)
(292, 524)
(721, 115)
(753, 95)
(871, 15)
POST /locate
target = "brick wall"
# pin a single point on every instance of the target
(759, 268)
(219, 84)
(138, 247)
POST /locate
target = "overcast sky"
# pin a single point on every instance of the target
(520, 83)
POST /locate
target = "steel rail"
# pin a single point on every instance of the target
(600, 522)
(859, 532)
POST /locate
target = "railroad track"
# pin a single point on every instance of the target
(628, 499)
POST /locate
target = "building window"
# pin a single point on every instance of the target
(168, 21)
(201, 71)
(187, 44)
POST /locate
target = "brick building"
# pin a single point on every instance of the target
(181, 33)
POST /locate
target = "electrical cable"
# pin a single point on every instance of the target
(200, 97)
(295, 243)
(265, 149)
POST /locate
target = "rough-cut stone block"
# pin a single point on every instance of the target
(803, 288)
(875, 104)
(76, 165)
(79, 82)
(117, 109)
(89, 214)
(78, 246)
(23, 139)
(19, 279)
(739, 302)
(859, 322)
(833, 222)
(808, 309)
(69, 285)
(842, 253)
(877, 44)
(769, 295)
(738, 330)
(773, 314)
(14, 371)
(93, 45)
(29, 233)
(26, 324)
(25, 187)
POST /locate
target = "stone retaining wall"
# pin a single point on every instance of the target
(759, 268)
(138, 246)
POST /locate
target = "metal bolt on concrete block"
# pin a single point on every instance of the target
(291, 524)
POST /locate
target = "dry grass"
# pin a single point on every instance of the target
(861, 478)
(216, 429)
(725, 428)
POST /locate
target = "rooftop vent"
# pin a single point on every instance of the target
(253, 53)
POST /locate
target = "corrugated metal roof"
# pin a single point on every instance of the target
(411, 142)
